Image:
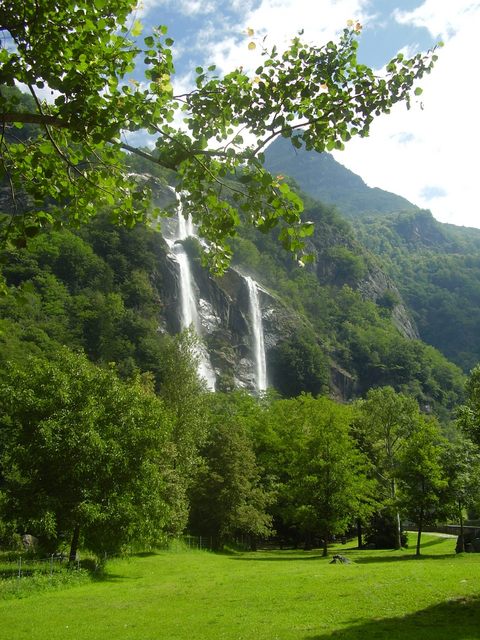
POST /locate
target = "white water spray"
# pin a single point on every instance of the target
(188, 303)
(258, 337)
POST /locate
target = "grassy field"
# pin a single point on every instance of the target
(274, 595)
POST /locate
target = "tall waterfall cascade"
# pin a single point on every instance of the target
(189, 316)
(258, 336)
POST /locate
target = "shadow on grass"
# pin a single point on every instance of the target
(112, 577)
(436, 541)
(403, 558)
(100, 576)
(357, 558)
(457, 619)
(281, 556)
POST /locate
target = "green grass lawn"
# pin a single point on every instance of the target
(272, 595)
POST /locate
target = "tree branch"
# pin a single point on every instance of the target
(35, 118)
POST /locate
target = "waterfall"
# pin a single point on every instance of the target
(184, 225)
(188, 302)
(258, 338)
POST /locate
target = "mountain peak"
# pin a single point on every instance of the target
(320, 176)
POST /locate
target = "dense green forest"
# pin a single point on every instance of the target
(101, 290)
(356, 331)
(434, 265)
(133, 417)
(437, 268)
(226, 464)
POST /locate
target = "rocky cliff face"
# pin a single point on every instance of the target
(224, 310)
(379, 288)
(340, 259)
(226, 322)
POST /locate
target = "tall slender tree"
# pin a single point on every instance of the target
(382, 428)
(422, 475)
(229, 498)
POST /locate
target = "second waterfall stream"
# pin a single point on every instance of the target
(258, 337)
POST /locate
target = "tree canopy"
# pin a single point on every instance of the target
(84, 455)
(73, 161)
(384, 424)
(422, 475)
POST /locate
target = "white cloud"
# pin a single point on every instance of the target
(278, 21)
(187, 7)
(430, 155)
(441, 18)
(142, 8)
(426, 155)
(193, 7)
(242, 5)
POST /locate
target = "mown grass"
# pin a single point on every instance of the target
(274, 595)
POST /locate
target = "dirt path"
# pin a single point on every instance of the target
(435, 533)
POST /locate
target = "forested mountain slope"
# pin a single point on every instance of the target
(435, 266)
(437, 269)
(335, 326)
(326, 180)
(355, 310)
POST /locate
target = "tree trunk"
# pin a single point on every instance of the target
(74, 544)
(398, 524)
(419, 534)
(308, 545)
(398, 530)
(359, 533)
(325, 545)
(461, 540)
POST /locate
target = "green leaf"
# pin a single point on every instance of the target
(307, 229)
(137, 28)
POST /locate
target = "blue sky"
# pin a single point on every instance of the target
(427, 154)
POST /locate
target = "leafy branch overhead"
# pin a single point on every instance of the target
(64, 158)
